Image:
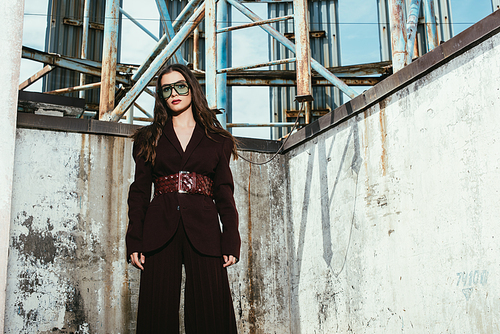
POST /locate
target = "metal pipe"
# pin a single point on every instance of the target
(168, 28)
(85, 41)
(254, 125)
(142, 110)
(384, 30)
(221, 61)
(130, 114)
(11, 26)
(162, 43)
(369, 81)
(185, 14)
(307, 112)
(276, 62)
(35, 77)
(69, 63)
(157, 64)
(137, 23)
(290, 46)
(254, 24)
(74, 89)
(411, 27)
(211, 53)
(196, 49)
(302, 51)
(398, 35)
(109, 53)
(430, 25)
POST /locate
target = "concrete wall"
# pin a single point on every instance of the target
(385, 223)
(394, 215)
(67, 270)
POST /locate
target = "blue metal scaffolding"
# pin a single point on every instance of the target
(304, 61)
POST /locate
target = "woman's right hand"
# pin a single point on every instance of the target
(137, 260)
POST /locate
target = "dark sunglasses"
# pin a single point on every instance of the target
(182, 88)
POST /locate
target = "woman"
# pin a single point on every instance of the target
(185, 153)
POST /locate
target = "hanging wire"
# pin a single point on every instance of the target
(282, 144)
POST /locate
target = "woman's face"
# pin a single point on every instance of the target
(178, 101)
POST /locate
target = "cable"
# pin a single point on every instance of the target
(282, 144)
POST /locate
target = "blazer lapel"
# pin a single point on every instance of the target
(168, 131)
(196, 137)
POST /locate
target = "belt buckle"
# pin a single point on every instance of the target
(179, 182)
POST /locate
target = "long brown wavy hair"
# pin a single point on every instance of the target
(147, 137)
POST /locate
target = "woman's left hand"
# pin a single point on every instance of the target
(228, 260)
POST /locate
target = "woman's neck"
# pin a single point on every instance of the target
(184, 120)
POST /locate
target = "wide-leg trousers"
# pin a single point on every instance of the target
(208, 306)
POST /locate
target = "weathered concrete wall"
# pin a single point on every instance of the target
(67, 270)
(394, 215)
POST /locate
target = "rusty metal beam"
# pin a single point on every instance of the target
(109, 54)
(196, 49)
(240, 68)
(35, 77)
(80, 65)
(302, 51)
(238, 81)
(291, 46)
(157, 64)
(398, 35)
(254, 24)
(75, 89)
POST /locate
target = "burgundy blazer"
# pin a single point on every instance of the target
(153, 223)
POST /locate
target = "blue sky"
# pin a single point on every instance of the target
(358, 37)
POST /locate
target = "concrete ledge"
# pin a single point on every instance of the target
(459, 44)
(67, 124)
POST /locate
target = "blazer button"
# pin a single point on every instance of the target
(177, 207)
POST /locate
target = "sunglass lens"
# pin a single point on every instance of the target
(166, 92)
(182, 88)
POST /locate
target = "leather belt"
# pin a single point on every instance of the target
(184, 182)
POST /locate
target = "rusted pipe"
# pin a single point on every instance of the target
(276, 62)
(85, 41)
(253, 24)
(302, 51)
(398, 35)
(196, 49)
(109, 54)
(74, 89)
(430, 25)
(411, 27)
(35, 77)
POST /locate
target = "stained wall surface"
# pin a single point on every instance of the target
(385, 223)
(394, 215)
